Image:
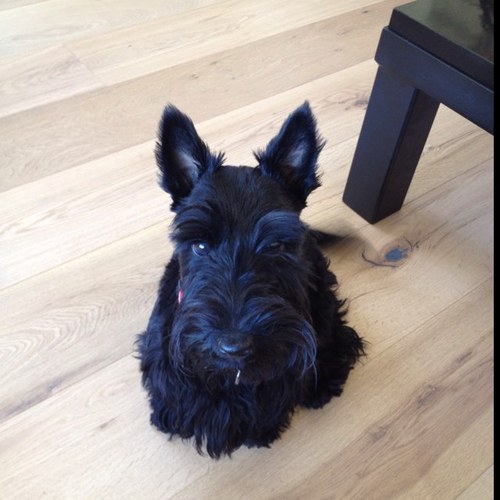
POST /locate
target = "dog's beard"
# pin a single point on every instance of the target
(283, 342)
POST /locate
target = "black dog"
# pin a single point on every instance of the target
(246, 325)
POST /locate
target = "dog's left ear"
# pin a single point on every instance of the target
(181, 155)
(291, 157)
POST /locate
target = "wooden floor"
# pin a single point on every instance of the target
(83, 241)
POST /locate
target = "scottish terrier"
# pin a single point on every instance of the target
(246, 326)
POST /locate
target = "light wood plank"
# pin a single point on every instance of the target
(445, 477)
(429, 236)
(481, 488)
(130, 53)
(102, 122)
(65, 324)
(94, 428)
(34, 26)
(42, 77)
(61, 207)
(12, 4)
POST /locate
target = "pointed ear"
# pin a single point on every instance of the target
(181, 155)
(291, 156)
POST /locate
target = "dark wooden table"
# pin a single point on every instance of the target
(433, 52)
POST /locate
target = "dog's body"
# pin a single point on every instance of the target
(246, 325)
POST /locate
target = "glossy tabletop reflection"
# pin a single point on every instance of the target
(460, 32)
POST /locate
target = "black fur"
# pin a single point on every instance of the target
(246, 325)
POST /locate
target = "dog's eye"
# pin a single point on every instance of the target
(276, 246)
(200, 248)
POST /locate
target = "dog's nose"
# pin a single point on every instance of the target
(235, 345)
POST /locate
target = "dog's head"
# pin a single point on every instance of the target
(243, 312)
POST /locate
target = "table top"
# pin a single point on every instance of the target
(460, 32)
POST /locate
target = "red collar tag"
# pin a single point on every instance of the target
(180, 293)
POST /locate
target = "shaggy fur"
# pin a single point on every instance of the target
(246, 325)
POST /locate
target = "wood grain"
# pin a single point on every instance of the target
(481, 488)
(102, 122)
(35, 25)
(129, 53)
(46, 76)
(83, 242)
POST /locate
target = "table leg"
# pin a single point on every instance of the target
(396, 125)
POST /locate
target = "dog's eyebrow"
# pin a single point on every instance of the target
(279, 226)
(194, 222)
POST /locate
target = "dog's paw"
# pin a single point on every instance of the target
(321, 394)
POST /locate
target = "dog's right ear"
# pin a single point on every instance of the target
(291, 156)
(181, 155)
